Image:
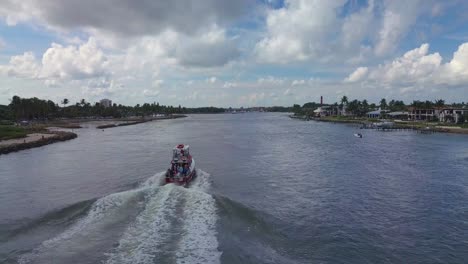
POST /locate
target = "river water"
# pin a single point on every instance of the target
(269, 190)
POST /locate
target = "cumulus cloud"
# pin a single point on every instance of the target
(297, 31)
(418, 67)
(357, 75)
(60, 62)
(23, 66)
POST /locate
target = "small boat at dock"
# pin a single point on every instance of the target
(182, 170)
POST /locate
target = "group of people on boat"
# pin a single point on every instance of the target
(180, 169)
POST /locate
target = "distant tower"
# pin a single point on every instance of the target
(321, 100)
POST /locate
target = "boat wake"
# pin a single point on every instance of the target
(150, 224)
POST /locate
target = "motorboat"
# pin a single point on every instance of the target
(358, 135)
(182, 170)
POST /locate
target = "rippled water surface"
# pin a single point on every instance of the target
(270, 190)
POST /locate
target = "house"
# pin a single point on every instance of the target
(374, 114)
(452, 114)
(428, 114)
(322, 111)
(326, 110)
(106, 102)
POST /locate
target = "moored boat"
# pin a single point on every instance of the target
(182, 170)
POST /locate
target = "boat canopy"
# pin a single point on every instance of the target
(181, 153)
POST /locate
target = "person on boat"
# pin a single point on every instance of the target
(181, 169)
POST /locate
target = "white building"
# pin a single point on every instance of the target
(452, 114)
(106, 102)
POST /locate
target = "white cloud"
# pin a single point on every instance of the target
(398, 17)
(22, 66)
(158, 83)
(229, 85)
(271, 80)
(288, 92)
(211, 80)
(72, 62)
(59, 62)
(357, 75)
(417, 68)
(357, 26)
(298, 82)
(297, 32)
(151, 93)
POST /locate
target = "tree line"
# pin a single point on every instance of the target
(38, 109)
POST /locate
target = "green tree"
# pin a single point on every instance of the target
(439, 103)
(344, 100)
(383, 103)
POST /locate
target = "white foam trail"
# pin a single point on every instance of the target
(142, 241)
(101, 209)
(199, 243)
(156, 180)
(202, 182)
(174, 217)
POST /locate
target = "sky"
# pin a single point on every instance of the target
(233, 53)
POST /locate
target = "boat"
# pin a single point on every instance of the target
(182, 170)
(359, 135)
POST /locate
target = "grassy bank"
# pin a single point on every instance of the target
(12, 132)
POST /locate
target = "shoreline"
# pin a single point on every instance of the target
(38, 140)
(138, 121)
(420, 127)
(41, 135)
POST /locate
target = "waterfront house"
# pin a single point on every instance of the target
(452, 114)
(327, 110)
(374, 114)
(426, 114)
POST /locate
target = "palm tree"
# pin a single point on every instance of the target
(344, 99)
(65, 102)
(383, 104)
(439, 103)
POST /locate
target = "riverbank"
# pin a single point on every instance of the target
(398, 124)
(138, 121)
(34, 140)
